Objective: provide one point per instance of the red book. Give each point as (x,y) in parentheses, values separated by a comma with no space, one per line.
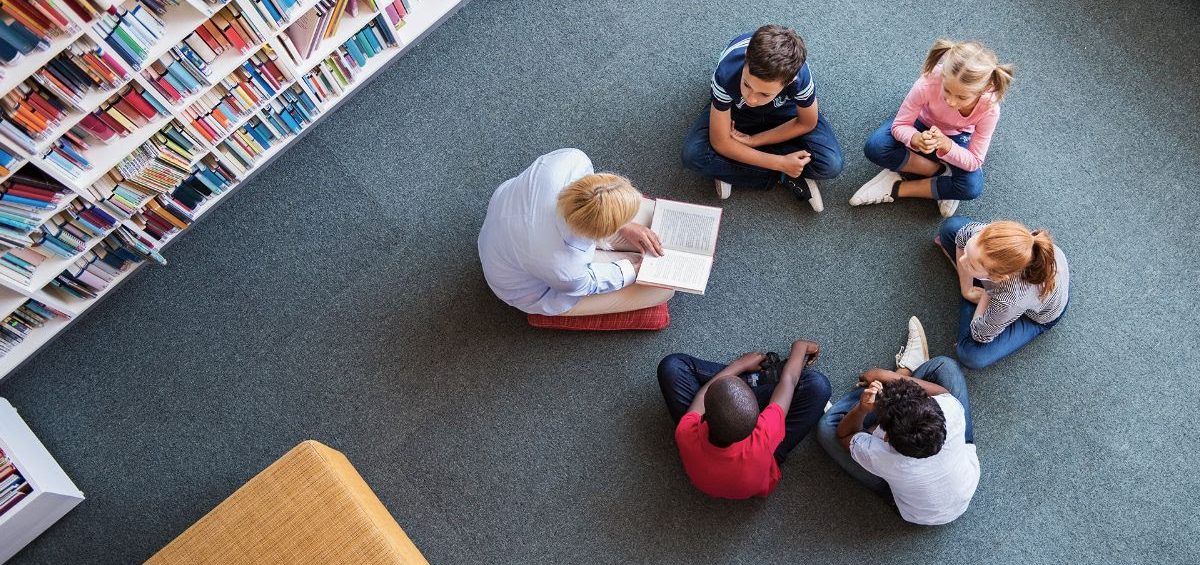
(209,40)
(205,130)
(44,106)
(13,501)
(135,99)
(26,194)
(125,108)
(93,124)
(234,38)
(170,90)
(112,123)
(42,193)
(112,64)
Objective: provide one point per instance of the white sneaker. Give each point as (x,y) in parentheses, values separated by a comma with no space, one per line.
(818,205)
(916,351)
(947,207)
(724,189)
(877,190)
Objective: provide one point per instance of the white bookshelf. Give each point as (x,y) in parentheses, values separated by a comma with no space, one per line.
(52,496)
(181,20)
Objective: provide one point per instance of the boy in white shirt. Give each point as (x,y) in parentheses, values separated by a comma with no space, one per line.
(908,434)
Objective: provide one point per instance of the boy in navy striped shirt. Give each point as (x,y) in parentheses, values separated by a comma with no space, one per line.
(763,125)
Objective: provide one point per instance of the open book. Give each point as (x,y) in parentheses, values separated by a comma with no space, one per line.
(689,238)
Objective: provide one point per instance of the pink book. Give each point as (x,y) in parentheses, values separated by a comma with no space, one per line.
(98,128)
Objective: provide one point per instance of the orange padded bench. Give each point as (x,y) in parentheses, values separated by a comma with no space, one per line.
(310,506)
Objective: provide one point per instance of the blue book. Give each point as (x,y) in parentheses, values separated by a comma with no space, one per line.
(6,158)
(369,35)
(75,156)
(8,52)
(20,37)
(265,131)
(257,136)
(27,201)
(290,121)
(355,52)
(266,86)
(270,7)
(363,44)
(176,69)
(380,25)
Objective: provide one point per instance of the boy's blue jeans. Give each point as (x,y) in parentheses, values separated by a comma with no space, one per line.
(971,353)
(939,370)
(821,144)
(680,377)
(885,151)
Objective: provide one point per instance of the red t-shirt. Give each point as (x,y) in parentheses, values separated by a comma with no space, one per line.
(742,470)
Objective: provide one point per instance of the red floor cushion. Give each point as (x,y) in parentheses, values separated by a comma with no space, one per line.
(652,318)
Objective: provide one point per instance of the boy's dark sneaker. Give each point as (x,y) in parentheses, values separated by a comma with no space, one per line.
(805,190)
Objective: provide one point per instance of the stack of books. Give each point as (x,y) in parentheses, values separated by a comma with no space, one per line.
(291,111)
(276,12)
(209,179)
(249,86)
(155,166)
(396,11)
(177,74)
(20,263)
(13,486)
(133,33)
(29,25)
(31,112)
(81,69)
(334,73)
(303,36)
(124,112)
(89,275)
(25,202)
(126,194)
(71,232)
(13,330)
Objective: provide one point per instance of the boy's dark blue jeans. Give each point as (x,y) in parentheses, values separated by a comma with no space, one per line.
(680,377)
(821,144)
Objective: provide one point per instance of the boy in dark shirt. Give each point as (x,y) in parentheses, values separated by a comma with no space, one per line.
(763,125)
(729,448)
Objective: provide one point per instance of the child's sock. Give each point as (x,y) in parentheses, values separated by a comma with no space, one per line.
(896,190)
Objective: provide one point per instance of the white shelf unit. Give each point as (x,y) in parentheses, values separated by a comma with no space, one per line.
(181,20)
(52,496)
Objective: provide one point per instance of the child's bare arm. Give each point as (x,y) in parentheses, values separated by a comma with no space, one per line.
(720,135)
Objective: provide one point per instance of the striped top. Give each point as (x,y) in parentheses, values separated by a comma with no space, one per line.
(1013,298)
(727,87)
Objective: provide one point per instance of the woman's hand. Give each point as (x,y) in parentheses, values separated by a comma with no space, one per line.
(643,238)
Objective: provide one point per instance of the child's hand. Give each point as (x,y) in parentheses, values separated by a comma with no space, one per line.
(750,361)
(806,347)
(793,164)
(974,294)
(922,142)
(740,137)
(867,399)
(941,142)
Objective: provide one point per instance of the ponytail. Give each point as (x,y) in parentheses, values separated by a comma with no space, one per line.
(1041,269)
(940,47)
(1002,77)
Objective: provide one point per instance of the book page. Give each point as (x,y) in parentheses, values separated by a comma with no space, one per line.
(683,271)
(687,227)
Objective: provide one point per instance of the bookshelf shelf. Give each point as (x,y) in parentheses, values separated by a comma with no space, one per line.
(52,492)
(10,300)
(180,21)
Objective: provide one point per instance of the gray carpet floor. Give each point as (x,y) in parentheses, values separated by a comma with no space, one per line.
(338,297)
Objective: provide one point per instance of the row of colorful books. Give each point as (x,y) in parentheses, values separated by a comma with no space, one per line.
(248,87)
(31,113)
(283,117)
(303,36)
(133,33)
(184,70)
(13,486)
(72,231)
(26,201)
(29,25)
(339,70)
(148,170)
(128,110)
(89,275)
(277,12)
(82,68)
(166,214)
(396,11)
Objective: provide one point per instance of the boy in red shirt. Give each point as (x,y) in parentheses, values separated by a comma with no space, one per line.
(729,448)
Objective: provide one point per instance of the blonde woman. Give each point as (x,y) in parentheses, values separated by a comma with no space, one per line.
(538,241)
(1014,283)
(936,145)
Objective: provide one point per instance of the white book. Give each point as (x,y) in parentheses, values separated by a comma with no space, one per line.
(688,233)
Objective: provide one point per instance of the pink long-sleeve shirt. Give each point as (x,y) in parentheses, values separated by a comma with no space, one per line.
(924,102)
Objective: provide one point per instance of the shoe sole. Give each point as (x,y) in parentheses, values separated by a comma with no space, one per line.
(817,203)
